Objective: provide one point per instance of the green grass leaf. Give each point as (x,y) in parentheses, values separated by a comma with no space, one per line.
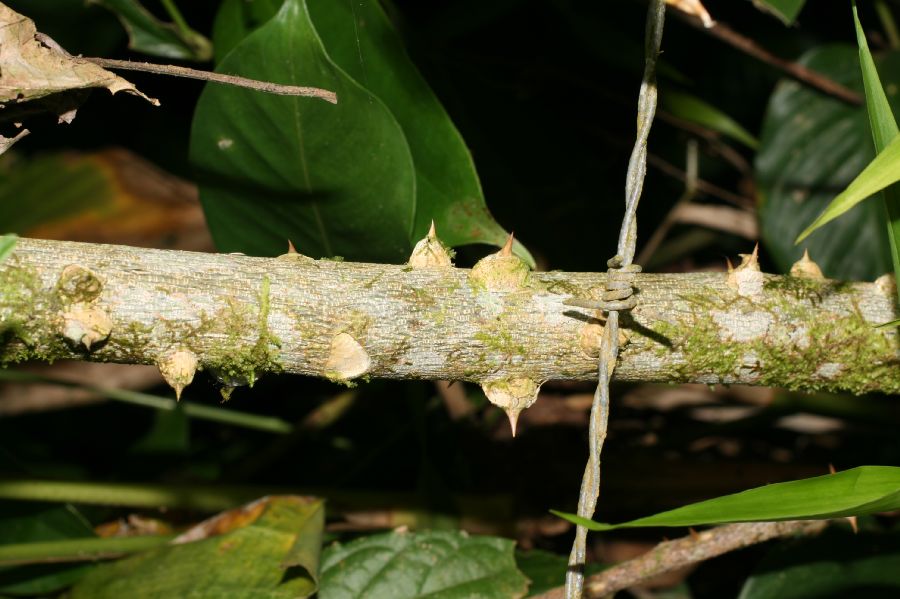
(856,492)
(692,109)
(786,10)
(811,148)
(378,167)
(883,171)
(406,565)
(884,132)
(149,35)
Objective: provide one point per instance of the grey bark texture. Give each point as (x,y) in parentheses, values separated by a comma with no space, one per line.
(241,317)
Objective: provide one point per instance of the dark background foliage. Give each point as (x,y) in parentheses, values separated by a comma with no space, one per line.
(544,94)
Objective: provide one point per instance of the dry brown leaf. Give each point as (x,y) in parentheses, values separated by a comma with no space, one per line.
(32,70)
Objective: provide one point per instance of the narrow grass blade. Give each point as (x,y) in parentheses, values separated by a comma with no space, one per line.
(856,492)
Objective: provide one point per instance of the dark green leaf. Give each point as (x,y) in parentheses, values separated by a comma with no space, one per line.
(271,557)
(31,523)
(149,35)
(422,163)
(438,565)
(856,492)
(236,19)
(837,563)
(811,148)
(334,179)
(786,10)
(692,109)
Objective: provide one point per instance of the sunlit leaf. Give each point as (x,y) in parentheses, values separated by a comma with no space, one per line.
(149,35)
(406,565)
(693,109)
(856,492)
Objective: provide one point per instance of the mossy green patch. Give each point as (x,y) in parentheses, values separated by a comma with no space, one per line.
(26,317)
(233,361)
(811,349)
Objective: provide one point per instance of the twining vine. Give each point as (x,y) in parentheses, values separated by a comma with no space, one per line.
(618,296)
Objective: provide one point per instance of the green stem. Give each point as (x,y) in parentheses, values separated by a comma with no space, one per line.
(888,23)
(194,410)
(176,16)
(204,498)
(78,550)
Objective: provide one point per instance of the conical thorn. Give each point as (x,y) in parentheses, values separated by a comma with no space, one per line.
(432,232)
(291,248)
(730,265)
(513,415)
(507,247)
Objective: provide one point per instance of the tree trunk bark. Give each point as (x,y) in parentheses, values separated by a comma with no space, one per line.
(241,317)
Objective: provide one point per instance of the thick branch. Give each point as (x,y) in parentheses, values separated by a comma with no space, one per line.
(242,316)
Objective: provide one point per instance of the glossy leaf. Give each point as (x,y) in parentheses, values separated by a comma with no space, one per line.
(334,179)
(786,10)
(405,565)
(271,550)
(360,41)
(692,109)
(856,492)
(837,563)
(149,35)
(811,147)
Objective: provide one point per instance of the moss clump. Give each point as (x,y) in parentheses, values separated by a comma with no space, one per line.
(795,355)
(77,284)
(25,317)
(233,361)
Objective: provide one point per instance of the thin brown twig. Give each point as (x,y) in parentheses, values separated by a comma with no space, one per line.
(703,186)
(792,69)
(177,71)
(690,190)
(690,549)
